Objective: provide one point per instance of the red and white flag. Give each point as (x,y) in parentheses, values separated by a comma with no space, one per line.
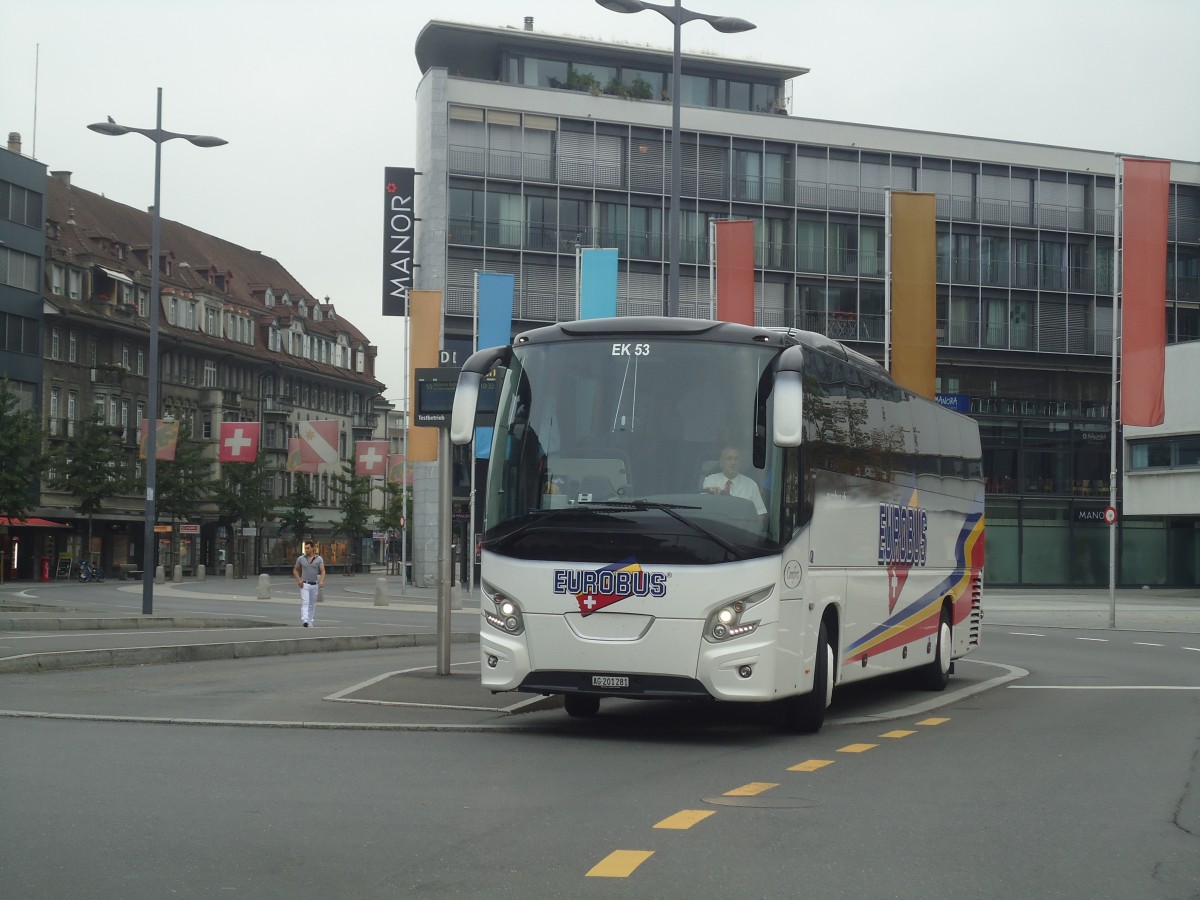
(396,471)
(239,442)
(319,443)
(370,458)
(295,458)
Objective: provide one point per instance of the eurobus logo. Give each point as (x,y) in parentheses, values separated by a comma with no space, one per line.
(595,589)
(903,541)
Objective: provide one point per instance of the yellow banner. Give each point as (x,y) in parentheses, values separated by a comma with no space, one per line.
(425,340)
(914,292)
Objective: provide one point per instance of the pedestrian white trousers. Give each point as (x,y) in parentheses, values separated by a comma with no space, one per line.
(308,603)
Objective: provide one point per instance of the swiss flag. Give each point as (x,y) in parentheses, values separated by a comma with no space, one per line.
(239,442)
(370,458)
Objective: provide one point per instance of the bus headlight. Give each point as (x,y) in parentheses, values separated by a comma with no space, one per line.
(507,615)
(729,621)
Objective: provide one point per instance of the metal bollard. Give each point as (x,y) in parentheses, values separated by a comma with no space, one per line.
(177,574)
(264,586)
(228,570)
(200,572)
(160,575)
(381,593)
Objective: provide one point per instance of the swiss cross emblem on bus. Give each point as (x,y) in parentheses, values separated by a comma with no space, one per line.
(595,589)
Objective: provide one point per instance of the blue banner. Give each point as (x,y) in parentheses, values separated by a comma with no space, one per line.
(598,284)
(495,308)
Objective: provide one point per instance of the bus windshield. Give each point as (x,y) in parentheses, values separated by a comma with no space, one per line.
(654,447)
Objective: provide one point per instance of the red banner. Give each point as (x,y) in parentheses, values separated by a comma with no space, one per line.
(1145,192)
(735,272)
(370,458)
(239,442)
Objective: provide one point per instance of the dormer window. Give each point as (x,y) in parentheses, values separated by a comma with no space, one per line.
(269,297)
(317,316)
(302,308)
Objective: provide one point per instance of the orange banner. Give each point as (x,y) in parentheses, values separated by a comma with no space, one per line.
(914,292)
(425,342)
(1145,192)
(735,271)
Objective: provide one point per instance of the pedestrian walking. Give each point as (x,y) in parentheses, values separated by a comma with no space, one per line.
(310,578)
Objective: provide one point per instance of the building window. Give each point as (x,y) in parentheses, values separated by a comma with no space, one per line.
(55,404)
(55,344)
(72,347)
(74,284)
(1180,452)
(57,279)
(210,373)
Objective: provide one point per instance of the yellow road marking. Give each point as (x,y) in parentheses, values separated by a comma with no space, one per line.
(684,819)
(752,789)
(898,733)
(619,864)
(933,721)
(857,748)
(810,765)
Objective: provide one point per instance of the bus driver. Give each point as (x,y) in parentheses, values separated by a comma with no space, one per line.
(730,481)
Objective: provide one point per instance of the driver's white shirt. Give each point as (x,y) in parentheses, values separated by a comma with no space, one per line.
(739,486)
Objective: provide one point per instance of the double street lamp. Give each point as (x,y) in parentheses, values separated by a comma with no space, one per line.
(677,16)
(159,136)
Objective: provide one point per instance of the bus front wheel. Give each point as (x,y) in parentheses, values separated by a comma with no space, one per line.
(805,714)
(581,706)
(935,675)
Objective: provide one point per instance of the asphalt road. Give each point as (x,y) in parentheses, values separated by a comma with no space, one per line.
(1063,761)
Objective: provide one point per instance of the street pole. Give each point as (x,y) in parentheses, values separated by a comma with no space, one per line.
(677,16)
(159,137)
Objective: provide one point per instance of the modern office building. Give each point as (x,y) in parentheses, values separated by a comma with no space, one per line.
(22,245)
(531,145)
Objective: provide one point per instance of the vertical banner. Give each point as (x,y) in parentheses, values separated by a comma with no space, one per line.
(399,225)
(914,292)
(495,308)
(424,330)
(295,458)
(395,471)
(597,283)
(238,442)
(319,445)
(735,271)
(166,437)
(1146,185)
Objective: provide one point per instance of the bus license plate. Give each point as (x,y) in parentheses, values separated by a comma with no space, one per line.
(610,681)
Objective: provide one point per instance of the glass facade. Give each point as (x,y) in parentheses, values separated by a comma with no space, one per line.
(1025,277)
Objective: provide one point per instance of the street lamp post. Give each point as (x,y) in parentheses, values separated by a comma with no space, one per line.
(159,137)
(677,16)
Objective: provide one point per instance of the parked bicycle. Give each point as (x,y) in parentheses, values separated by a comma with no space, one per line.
(88,572)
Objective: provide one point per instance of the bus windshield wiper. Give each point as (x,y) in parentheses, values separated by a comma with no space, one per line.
(670,510)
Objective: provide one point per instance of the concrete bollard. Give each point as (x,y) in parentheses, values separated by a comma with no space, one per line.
(228,570)
(381,594)
(160,575)
(177,574)
(200,572)
(264,586)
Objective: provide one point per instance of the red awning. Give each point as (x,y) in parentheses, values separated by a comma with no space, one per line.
(31,523)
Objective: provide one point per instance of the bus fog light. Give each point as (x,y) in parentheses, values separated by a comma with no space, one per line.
(745,671)
(493,661)
(719,631)
(511,623)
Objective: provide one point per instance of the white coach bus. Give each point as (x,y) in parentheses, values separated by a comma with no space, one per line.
(680,508)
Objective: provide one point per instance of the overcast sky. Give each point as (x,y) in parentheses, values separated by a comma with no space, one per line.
(316,99)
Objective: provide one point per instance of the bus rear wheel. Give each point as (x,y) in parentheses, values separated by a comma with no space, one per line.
(935,675)
(581,706)
(805,714)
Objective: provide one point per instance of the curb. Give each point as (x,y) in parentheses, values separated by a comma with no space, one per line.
(127,623)
(54,661)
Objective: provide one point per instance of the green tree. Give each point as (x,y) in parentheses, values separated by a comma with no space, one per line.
(355,492)
(243,494)
(393,518)
(92,467)
(21,450)
(183,482)
(295,517)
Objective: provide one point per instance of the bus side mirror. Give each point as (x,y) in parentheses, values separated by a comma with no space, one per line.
(462,415)
(787,409)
